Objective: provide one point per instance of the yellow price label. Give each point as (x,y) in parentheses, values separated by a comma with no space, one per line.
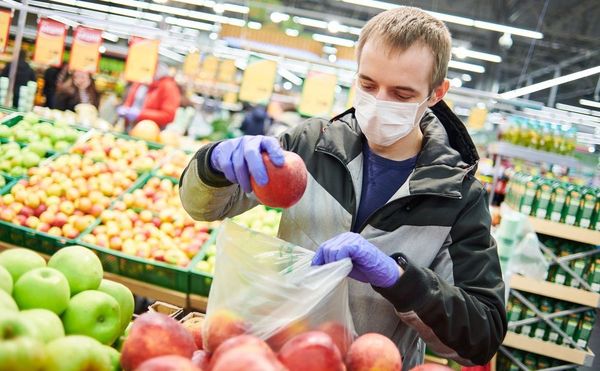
(258,80)
(50,42)
(318,94)
(142,59)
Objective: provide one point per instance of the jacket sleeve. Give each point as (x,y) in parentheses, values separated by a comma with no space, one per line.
(170,100)
(464,320)
(131,95)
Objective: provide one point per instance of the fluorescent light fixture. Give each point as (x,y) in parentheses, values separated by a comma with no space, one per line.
(461,52)
(254,25)
(466,66)
(219,8)
(277,17)
(507,29)
(206,3)
(591,103)
(110,37)
(455,19)
(170,54)
(187,23)
(333,40)
(568,107)
(64,21)
(354,30)
(310,22)
(550,83)
(333,26)
(289,76)
(291,32)
(236,8)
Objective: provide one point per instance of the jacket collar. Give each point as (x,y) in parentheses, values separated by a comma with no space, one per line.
(447,156)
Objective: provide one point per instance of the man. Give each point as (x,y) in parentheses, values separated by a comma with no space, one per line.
(24,74)
(392,187)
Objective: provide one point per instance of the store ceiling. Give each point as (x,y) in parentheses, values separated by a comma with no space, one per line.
(571,33)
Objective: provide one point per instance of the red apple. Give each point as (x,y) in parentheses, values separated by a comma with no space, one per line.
(313,350)
(247,359)
(286,184)
(26,211)
(39,210)
(431,367)
(168,363)
(155,334)
(201,359)
(278,339)
(194,326)
(43,227)
(373,351)
(221,326)
(339,334)
(242,343)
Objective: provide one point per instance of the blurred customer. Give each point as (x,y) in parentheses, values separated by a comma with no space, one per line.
(157,101)
(77,88)
(24,74)
(256,121)
(52,77)
(285,116)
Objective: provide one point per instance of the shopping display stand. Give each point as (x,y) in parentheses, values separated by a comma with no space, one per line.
(570,351)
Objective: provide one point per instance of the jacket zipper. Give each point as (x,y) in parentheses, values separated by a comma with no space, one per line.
(351,182)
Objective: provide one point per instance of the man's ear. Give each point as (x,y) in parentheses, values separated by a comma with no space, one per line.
(439,93)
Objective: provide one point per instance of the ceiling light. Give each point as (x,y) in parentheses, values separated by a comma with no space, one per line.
(64,21)
(288,85)
(310,22)
(466,77)
(110,37)
(219,8)
(213,36)
(289,76)
(332,58)
(466,66)
(236,8)
(333,26)
(291,32)
(456,82)
(455,19)
(591,103)
(462,53)
(254,25)
(333,40)
(550,83)
(170,54)
(277,17)
(187,23)
(102,49)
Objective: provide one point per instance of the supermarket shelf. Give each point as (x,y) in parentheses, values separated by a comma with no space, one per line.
(555,290)
(565,231)
(137,287)
(198,302)
(533,345)
(511,150)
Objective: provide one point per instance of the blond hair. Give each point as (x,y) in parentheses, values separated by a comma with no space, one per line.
(402,27)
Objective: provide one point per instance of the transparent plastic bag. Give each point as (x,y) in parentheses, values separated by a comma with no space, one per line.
(269,284)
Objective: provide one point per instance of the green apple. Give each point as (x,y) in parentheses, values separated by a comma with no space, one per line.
(123,296)
(17,171)
(2,181)
(13,325)
(31,118)
(6,281)
(5,131)
(95,314)
(76,353)
(7,303)
(115,357)
(44,288)
(80,265)
(39,148)
(22,354)
(47,323)
(30,159)
(61,146)
(44,129)
(18,261)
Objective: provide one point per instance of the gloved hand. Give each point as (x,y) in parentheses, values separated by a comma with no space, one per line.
(241,157)
(122,111)
(370,264)
(132,114)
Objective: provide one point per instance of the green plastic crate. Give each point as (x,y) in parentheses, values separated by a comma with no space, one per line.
(26,237)
(200,282)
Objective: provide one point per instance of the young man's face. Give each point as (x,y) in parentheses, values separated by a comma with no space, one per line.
(398,76)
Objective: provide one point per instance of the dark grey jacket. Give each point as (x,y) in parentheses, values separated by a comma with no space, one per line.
(452,295)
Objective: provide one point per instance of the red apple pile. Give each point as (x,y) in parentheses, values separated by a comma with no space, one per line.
(157,342)
(151,223)
(64,197)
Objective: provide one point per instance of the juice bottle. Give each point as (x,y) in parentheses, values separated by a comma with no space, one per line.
(527,203)
(573,204)
(588,205)
(553,336)
(596,218)
(544,193)
(559,197)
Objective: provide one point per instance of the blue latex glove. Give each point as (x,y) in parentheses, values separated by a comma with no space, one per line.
(370,264)
(132,114)
(122,111)
(241,157)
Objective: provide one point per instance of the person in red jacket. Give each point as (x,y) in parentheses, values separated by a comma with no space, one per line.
(157,101)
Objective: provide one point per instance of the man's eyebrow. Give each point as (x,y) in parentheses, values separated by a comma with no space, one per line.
(404,88)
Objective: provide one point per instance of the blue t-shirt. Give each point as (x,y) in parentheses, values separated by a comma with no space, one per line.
(381,179)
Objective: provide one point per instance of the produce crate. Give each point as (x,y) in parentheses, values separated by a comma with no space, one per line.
(18,235)
(150,271)
(200,282)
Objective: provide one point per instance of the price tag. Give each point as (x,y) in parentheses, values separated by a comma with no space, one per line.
(85,55)
(141,60)
(50,42)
